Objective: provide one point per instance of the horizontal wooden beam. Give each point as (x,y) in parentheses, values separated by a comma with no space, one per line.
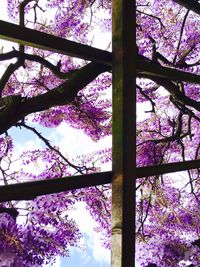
(167,168)
(30,37)
(30,190)
(190,4)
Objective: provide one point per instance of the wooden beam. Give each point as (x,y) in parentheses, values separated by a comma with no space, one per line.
(124,134)
(167,168)
(30,37)
(30,190)
(190,4)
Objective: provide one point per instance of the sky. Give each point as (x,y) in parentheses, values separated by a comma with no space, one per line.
(72,142)
(94,254)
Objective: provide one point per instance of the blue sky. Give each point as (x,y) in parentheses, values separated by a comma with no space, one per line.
(84,259)
(92,254)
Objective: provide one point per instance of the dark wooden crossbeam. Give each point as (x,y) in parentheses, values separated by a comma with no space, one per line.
(193,5)
(30,190)
(30,37)
(25,36)
(167,168)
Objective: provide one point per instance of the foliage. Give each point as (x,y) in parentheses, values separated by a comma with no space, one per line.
(45,89)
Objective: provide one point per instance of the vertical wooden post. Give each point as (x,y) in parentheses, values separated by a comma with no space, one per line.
(124,133)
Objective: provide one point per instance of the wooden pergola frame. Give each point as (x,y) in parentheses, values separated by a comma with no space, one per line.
(124,172)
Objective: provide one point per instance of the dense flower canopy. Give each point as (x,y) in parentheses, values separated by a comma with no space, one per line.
(43,90)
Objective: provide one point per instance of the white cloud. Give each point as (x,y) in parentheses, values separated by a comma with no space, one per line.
(75,142)
(3,8)
(92,239)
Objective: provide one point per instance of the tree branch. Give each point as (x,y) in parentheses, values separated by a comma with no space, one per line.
(79,169)
(175,92)
(191,5)
(181,34)
(23,56)
(61,95)
(146,68)
(8,72)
